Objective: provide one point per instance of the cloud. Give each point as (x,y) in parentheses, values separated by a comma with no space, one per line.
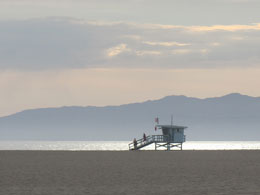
(196,12)
(166,44)
(114,51)
(215,44)
(181,51)
(144,53)
(152,26)
(237,38)
(231,28)
(134,37)
(189,51)
(65,43)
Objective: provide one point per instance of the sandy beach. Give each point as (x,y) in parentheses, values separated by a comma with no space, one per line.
(135,172)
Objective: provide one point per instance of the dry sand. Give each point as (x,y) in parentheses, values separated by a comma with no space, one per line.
(135,172)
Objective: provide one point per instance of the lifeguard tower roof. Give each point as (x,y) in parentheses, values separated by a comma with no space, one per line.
(170,127)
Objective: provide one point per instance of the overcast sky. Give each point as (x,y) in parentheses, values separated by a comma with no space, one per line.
(103,52)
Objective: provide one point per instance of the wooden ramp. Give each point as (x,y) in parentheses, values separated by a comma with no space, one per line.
(158,140)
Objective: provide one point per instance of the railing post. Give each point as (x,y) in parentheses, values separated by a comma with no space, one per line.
(168,146)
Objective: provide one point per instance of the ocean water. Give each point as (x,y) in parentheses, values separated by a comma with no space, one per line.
(122,145)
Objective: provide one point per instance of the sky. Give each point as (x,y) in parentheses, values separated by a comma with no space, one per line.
(109,52)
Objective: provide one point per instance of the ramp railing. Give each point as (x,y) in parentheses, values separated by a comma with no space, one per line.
(140,143)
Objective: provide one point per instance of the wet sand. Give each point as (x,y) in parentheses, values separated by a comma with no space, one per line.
(135,172)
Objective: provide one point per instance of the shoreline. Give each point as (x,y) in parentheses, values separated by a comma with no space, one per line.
(121,146)
(226,150)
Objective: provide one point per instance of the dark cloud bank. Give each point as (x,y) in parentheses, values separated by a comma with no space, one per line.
(57,43)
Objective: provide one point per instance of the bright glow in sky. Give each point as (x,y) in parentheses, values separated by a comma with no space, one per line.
(62,53)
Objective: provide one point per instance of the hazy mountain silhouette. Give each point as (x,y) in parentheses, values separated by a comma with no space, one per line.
(231,117)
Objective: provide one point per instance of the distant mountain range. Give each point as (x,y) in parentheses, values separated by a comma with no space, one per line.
(231,117)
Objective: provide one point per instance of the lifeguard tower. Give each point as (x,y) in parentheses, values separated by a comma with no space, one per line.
(172,136)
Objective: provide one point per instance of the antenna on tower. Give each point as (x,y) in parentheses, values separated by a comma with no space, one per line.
(171,120)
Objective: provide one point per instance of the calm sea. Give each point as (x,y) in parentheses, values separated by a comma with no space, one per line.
(123,145)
